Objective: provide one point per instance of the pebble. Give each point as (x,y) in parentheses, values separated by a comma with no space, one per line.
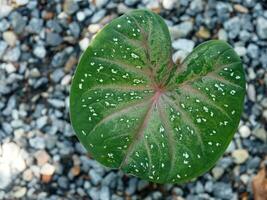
(53,39)
(101,3)
(37,142)
(10,68)
(5,10)
(98,16)
(241,51)
(95,177)
(84,43)
(20,192)
(203,33)
(56,103)
(181,30)
(244,131)
(169,4)
(5,175)
(222,35)
(3,47)
(240,8)
(253,51)
(27,175)
(10,38)
(260,133)
(130,2)
(240,156)
(47,169)
(63,182)
(233,27)
(251,92)
(183,44)
(42,157)
(12,54)
(22,2)
(104,193)
(222,190)
(39,51)
(217,172)
(196,5)
(262,27)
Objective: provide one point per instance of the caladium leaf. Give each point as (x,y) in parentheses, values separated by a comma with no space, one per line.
(134,109)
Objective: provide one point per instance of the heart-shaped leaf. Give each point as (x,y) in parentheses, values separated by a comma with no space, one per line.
(134,109)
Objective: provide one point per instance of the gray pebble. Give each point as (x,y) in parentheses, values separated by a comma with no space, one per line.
(262,27)
(98,16)
(37,142)
(104,193)
(222,190)
(35,25)
(95,177)
(233,27)
(63,182)
(39,51)
(253,50)
(53,39)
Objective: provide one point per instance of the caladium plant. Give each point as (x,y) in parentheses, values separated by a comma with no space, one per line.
(134,109)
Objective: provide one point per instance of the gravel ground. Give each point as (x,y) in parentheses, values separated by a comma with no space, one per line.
(40,43)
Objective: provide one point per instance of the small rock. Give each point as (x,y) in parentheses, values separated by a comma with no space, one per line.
(253,51)
(10,68)
(94,193)
(5,10)
(12,54)
(181,30)
(42,157)
(84,43)
(47,172)
(260,133)
(63,182)
(75,170)
(233,27)
(20,192)
(5,175)
(244,131)
(130,190)
(41,122)
(240,8)
(80,16)
(37,142)
(183,44)
(53,39)
(22,2)
(3,46)
(27,175)
(101,3)
(240,156)
(222,190)
(39,51)
(262,27)
(57,75)
(251,92)
(98,16)
(217,172)
(222,35)
(241,51)
(66,80)
(131,2)
(170,4)
(35,25)
(196,5)
(95,177)
(10,38)
(18,22)
(203,33)
(70,6)
(71,62)
(56,103)
(104,193)
(179,56)
(74,29)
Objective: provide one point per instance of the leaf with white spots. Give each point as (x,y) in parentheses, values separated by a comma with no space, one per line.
(134,109)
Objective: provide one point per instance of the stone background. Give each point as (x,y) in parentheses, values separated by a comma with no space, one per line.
(40,43)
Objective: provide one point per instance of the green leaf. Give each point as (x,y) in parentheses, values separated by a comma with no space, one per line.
(134,109)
